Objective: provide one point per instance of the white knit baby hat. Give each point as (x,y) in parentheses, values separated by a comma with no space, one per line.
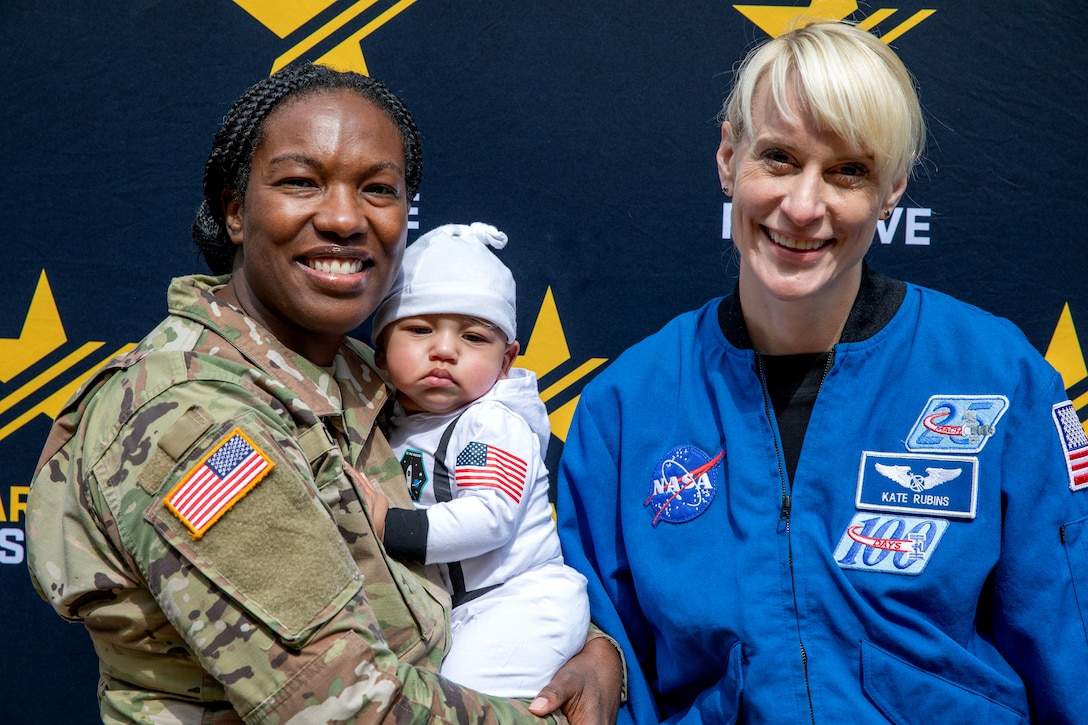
(451,270)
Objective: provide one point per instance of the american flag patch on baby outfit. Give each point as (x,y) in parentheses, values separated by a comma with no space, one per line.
(218,482)
(1074,443)
(479,464)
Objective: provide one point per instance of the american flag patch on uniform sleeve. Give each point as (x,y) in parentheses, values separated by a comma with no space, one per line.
(219,481)
(1074,443)
(479,464)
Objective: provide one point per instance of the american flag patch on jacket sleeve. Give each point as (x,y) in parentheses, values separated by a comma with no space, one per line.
(1074,443)
(219,481)
(479,464)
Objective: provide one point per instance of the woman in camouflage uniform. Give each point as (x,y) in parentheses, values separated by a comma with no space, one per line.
(203,504)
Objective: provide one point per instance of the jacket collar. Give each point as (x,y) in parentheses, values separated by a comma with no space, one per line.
(878,300)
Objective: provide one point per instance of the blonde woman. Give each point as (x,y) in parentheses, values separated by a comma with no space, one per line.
(830,496)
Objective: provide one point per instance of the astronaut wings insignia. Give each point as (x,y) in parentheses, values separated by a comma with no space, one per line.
(888,482)
(904,476)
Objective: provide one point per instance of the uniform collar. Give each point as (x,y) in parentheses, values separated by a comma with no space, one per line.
(353,373)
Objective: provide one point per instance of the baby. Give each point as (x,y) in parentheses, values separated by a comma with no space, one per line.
(471,432)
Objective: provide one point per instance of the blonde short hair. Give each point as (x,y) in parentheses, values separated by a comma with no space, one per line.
(850,83)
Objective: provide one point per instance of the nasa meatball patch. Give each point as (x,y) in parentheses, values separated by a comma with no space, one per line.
(683,485)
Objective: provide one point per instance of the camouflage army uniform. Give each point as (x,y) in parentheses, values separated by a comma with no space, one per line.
(265,614)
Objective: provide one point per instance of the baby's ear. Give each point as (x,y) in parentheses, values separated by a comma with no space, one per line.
(379,359)
(509,356)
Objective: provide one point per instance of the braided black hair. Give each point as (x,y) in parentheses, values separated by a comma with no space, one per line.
(243,130)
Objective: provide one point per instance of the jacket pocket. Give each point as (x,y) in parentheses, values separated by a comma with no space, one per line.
(909,695)
(1075,540)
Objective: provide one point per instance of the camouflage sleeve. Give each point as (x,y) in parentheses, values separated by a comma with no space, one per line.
(596,632)
(249,595)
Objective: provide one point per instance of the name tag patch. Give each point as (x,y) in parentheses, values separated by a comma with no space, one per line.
(957,423)
(910,483)
(889,544)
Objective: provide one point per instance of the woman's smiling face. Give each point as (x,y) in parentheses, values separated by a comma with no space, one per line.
(805,204)
(323,223)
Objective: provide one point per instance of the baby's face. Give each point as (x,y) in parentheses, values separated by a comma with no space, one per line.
(440,363)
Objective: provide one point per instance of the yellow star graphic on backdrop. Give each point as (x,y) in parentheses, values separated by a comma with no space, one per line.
(286,18)
(545,353)
(1067,357)
(775,20)
(42,334)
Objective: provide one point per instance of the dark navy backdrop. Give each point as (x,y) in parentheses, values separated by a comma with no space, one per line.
(585,130)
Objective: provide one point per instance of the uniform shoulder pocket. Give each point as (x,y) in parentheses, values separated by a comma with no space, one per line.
(240,506)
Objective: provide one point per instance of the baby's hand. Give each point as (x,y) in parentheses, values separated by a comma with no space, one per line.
(375,501)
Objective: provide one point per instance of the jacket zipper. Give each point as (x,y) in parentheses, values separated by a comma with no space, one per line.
(787,507)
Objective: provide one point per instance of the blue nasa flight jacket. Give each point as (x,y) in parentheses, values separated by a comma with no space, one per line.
(925,565)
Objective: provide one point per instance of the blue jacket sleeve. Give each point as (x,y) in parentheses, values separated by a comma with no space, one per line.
(1040,584)
(588,514)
